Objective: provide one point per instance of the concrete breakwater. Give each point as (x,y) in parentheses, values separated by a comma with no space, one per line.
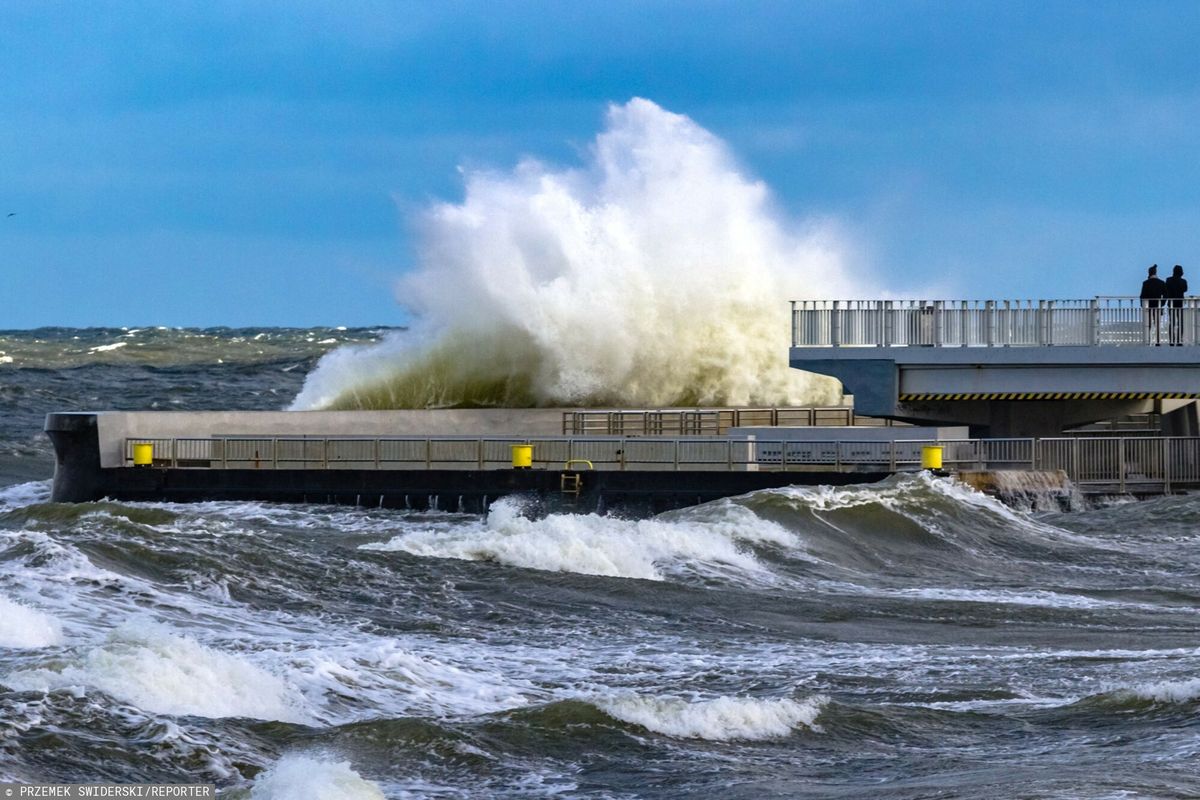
(463,459)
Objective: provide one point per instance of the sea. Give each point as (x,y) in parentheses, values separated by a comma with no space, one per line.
(907,639)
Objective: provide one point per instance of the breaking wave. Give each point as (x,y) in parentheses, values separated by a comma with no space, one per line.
(722,719)
(161,672)
(24,627)
(299,777)
(655,274)
(1181,691)
(590,544)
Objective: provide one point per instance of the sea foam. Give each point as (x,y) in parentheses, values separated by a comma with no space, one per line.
(721,719)
(24,494)
(161,672)
(24,627)
(590,544)
(656,273)
(385,675)
(300,777)
(1184,691)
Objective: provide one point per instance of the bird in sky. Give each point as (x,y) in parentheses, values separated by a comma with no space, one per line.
(12,213)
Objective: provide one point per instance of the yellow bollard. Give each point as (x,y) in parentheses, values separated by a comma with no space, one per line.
(143,454)
(522,456)
(931,457)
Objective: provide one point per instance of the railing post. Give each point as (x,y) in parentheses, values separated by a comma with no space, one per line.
(989,323)
(938,306)
(1041,322)
(1121,464)
(888,333)
(892,457)
(835,325)
(795,326)
(1094,323)
(428,454)
(1194,307)
(1166,464)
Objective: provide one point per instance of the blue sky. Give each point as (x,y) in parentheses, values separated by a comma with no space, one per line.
(230,163)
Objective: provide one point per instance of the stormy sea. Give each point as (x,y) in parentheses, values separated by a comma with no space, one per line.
(908,639)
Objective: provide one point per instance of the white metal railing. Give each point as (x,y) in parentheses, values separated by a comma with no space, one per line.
(1119,463)
(1101,321)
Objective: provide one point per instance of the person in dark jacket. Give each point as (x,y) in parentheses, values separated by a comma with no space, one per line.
(1175,288)
(1153,290)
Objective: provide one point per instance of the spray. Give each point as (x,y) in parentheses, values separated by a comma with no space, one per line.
(655,274)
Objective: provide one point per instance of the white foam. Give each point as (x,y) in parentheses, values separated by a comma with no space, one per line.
(146,665)
(19,495)
(104,348)
(905,495)
(24,627)
(722,719)
(300,777)
(382,674)
(1041,598)
(655,274)
(590,544)
(1169,691)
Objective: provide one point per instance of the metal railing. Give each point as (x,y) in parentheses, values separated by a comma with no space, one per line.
(708,421)
(1110,464)
(1101,321)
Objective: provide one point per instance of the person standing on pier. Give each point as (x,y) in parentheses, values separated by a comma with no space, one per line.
(1175,289)
(1153,290)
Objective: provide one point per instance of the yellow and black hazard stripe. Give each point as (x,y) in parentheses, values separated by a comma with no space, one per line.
(915,398)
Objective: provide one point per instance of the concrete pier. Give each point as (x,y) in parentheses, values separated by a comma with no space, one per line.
(452,460)
(358,458)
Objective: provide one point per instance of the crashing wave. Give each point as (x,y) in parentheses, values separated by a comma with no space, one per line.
(656,274)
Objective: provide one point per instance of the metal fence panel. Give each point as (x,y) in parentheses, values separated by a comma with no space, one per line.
(1143,460)
(601,452)
(1183,459)
(403,453)
(702,454)
(455,453)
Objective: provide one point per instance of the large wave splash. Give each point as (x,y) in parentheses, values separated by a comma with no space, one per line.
(655,274)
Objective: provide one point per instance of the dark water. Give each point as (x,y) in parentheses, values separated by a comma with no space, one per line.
(911,639)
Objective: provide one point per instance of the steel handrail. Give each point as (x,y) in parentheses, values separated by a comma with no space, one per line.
(1095,322)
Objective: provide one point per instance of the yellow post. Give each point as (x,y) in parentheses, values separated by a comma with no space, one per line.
(522,456)
(143,454)
(931,457)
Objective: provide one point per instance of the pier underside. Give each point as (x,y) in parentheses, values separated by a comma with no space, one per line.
(1001,398)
